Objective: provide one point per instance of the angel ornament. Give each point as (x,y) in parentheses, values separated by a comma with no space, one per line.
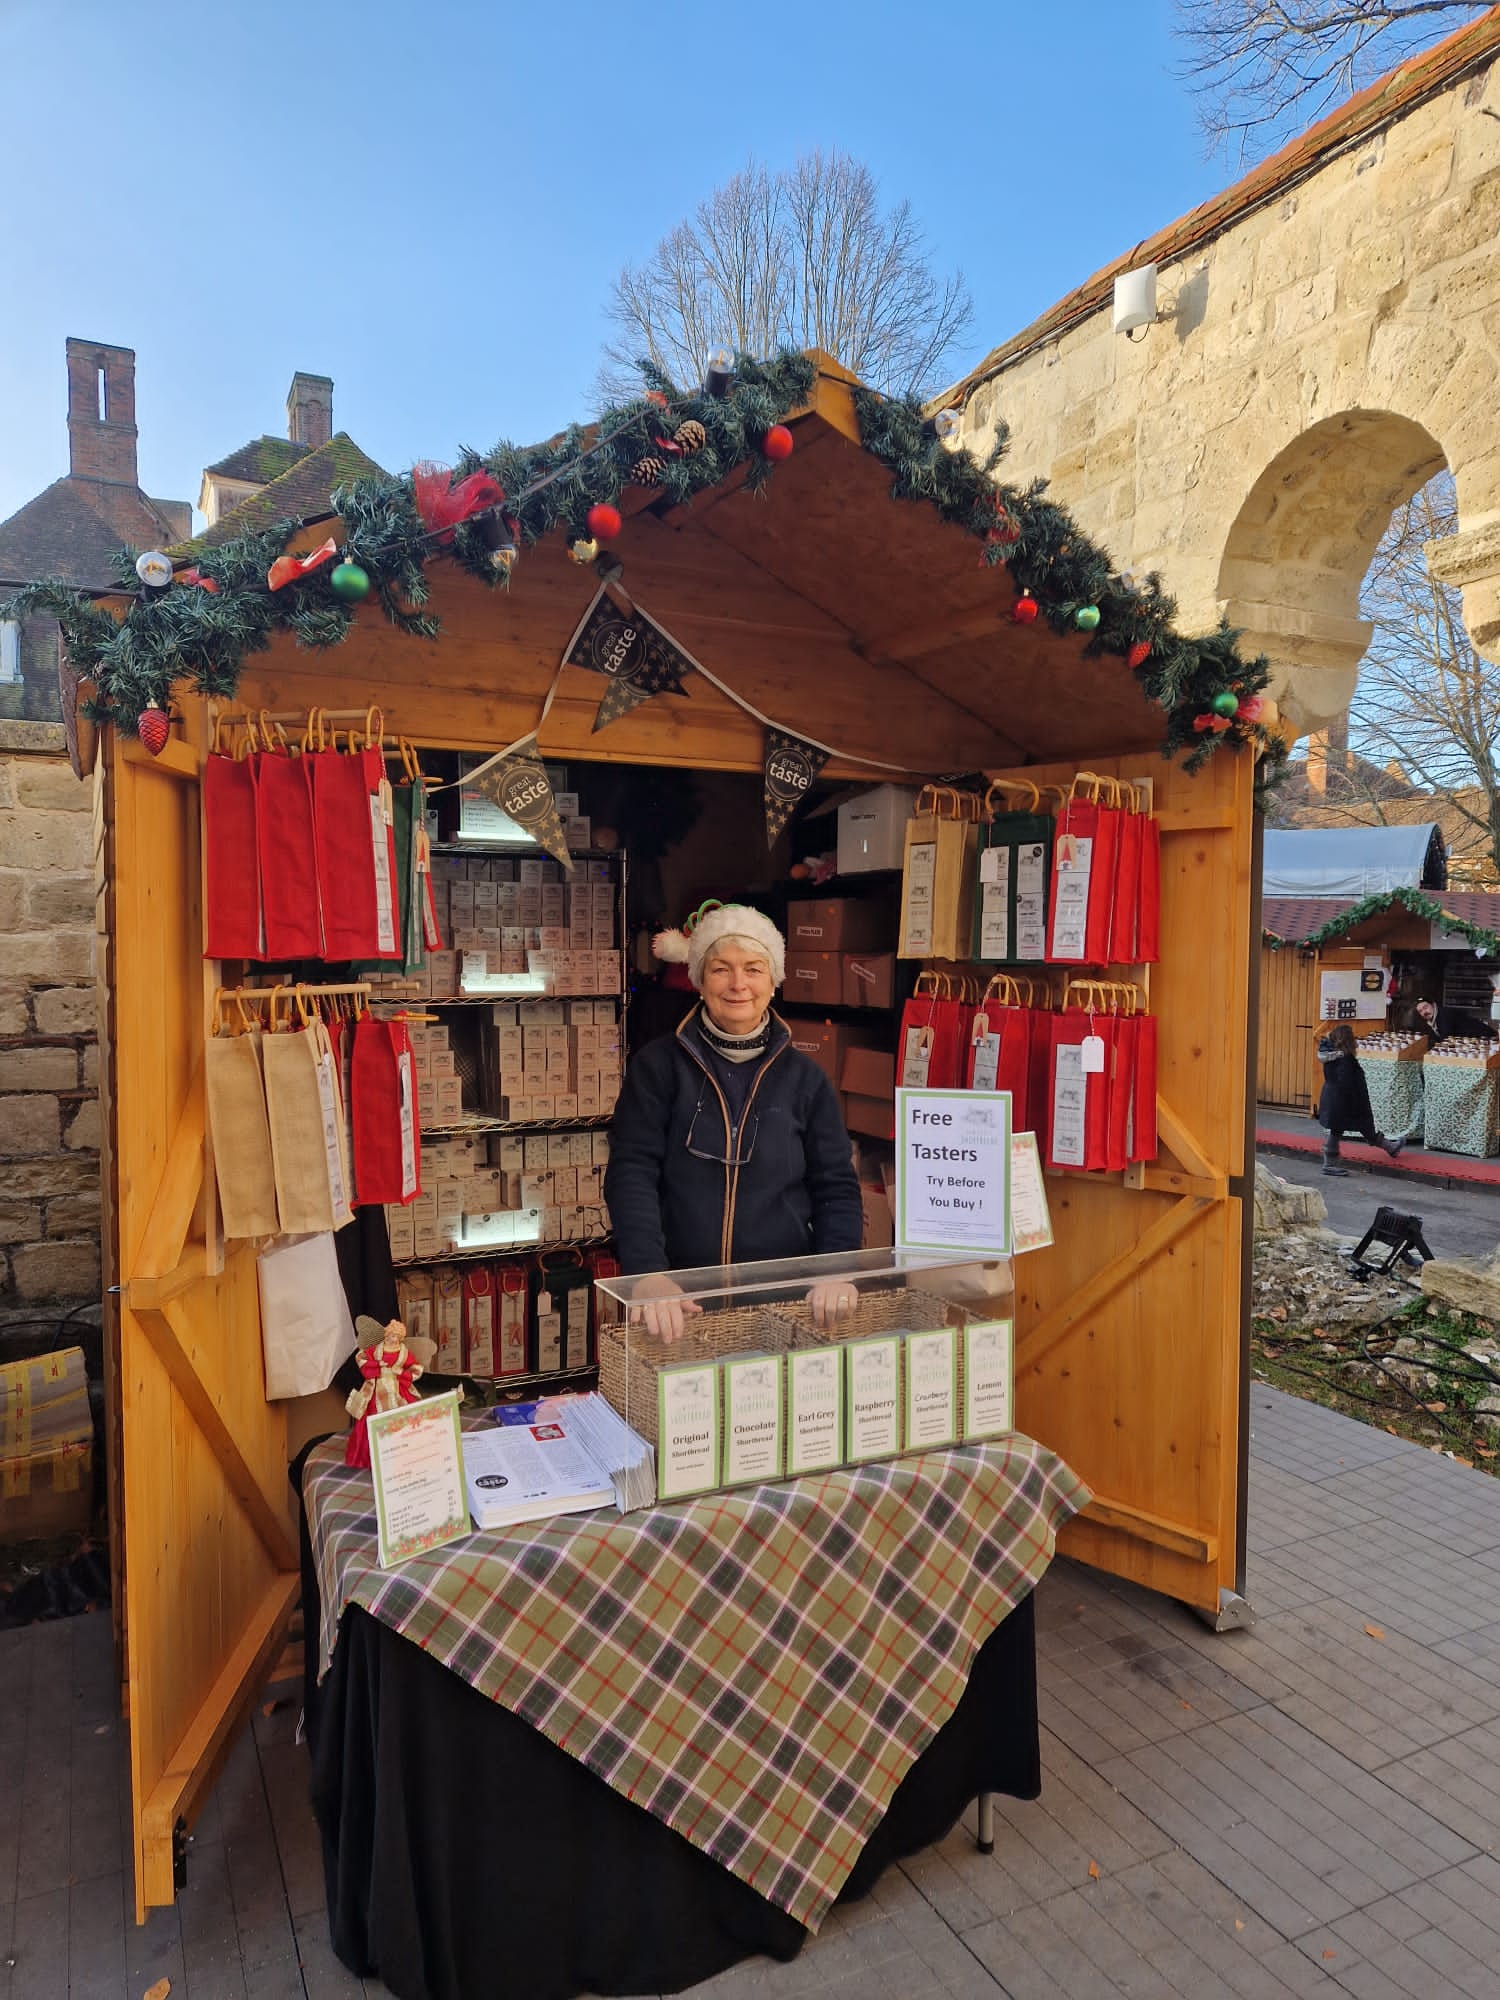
(389,1363)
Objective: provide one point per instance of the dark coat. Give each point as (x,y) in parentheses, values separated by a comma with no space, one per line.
(1345,1103)
(1457,1021)
(793,1194)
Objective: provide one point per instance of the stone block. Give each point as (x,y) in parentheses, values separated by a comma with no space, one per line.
(38,1069)
(1413,174)
(28,1125)
(60,955)
(15,1015)
(57,1173)
(1111,453)
(45,840)
(83,1128)
(66,1010)
(89,1076)
(12,898)
(73,1215)
(1376,267)
(1471,1285)
(1304,305)
(56,1270)
(20,1221)
(61,900)
(50,787)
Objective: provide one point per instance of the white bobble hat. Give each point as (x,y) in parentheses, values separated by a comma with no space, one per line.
(692,945)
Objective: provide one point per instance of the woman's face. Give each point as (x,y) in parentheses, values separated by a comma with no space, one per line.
(737,988)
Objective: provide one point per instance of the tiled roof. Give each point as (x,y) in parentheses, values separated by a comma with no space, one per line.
(260,461)
(300,491)
(65,532)
(1291,919)
(1366,112)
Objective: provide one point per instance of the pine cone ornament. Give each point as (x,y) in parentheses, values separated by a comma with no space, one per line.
(690,437)
(153,728)
(647,471)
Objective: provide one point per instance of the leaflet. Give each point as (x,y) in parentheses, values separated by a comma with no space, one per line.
(687,1434)
(752,1420)
(989,1378)
(873,1397)
(931,1389)
(530,1472)
(815,1411)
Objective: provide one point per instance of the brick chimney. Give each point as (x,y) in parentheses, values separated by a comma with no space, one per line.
(101,412)
(309,409)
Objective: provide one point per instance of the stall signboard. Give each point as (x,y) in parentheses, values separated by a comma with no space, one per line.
(953,1171)
(417,1465)
(1351,993)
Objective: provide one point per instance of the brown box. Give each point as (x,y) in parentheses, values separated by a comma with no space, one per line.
(842,923)
(874,1116)
(817,976)
(824,1042)
(870,979)
(880,1226)
(868,1073)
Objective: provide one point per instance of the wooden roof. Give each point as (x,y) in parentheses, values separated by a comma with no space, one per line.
(862,621)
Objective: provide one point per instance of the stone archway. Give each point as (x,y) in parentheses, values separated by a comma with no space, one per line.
(1299,548)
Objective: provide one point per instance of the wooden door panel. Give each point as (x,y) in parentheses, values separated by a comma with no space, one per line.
(207,1549)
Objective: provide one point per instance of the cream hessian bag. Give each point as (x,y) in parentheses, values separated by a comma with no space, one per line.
(241,1134)
(307,1143)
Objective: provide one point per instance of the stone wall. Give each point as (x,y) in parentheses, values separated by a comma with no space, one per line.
(1322,350)
(49,1055)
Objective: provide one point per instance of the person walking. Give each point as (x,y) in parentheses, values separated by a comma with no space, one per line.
(1344,1105)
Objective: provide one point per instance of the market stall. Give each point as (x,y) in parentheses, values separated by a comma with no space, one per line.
(813,615)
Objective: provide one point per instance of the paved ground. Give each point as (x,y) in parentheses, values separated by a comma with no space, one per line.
(1293,1132)
(1460,1221)
(1309,1808)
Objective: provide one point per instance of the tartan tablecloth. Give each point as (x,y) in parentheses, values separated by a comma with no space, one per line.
(758,1669)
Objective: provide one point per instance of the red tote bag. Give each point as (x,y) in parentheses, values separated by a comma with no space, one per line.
(931,1053)
(1136,925)
(1085,859)
(356,850)
(1079,1093)
(999,1044)
(387,1138)
(231,859)
(287,849)
(1141,1138)
(1039,1066)
(1148,924)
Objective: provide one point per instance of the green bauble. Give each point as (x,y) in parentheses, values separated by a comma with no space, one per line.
(1225,702)
(350,582)
(1086,617)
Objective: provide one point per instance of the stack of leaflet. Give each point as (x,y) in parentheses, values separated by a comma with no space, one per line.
(566,1455)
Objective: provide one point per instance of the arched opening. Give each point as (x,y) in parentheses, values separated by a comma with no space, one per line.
(1301,547)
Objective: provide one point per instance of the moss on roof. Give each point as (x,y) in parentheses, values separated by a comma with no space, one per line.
(299,492)
(262,460)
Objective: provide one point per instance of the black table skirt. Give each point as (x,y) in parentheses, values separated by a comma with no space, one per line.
(467,1856)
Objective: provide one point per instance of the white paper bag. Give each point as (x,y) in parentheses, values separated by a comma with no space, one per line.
(304,1316)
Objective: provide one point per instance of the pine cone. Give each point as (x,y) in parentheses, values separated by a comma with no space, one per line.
(647,471)
(690,437)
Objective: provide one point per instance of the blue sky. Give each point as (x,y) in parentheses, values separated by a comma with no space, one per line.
(427,202)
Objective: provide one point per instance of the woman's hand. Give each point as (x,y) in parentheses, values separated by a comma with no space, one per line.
(661,1308)
(832,1299)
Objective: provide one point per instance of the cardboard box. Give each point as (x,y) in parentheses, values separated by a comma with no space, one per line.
(874,1116)
(841,923)
(870,979)
(872,829)
(880,1225)
(816,976)
(868,1073)
(822,1042)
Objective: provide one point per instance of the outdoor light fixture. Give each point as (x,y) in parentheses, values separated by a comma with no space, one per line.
(154,569)
(718,377)
(1135,299)
(946,426)
(495,533)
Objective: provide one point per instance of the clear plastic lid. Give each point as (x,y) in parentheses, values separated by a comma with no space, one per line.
(964,1280)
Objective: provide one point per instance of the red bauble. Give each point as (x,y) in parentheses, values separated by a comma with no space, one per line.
(153,728)
(1024,610)
(1249,709)
(604,522)
(777,443)
(1138,655)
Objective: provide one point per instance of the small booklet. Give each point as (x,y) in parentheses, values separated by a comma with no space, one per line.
(573,1455)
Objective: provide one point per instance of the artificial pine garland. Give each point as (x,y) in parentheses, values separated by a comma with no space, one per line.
(202,627)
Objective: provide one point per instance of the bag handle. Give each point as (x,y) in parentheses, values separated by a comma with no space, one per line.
(922,991)
(1002,988)
(1005,786)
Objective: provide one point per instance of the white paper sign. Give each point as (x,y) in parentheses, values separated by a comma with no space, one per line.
(1031,900)
(989,1378)
(953,1170)
(986,1061)
(752,1420)
(994,903)
(921,876)
(1068,1089)
(1030,1216)
(931,1389)
(687,1435)
(1072,865)
(416,1463)
(815,1410)
(872,1397)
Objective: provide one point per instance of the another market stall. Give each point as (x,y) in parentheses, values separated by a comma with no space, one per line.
(835,597)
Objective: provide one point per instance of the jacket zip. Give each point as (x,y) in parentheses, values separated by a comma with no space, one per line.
(731,1174)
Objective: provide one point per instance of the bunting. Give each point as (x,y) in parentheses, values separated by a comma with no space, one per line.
(791,768)
(519,785)
(632,652)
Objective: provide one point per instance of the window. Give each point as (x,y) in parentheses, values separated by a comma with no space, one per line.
(10,653)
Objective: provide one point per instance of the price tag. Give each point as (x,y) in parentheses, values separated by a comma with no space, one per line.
(1091,1054)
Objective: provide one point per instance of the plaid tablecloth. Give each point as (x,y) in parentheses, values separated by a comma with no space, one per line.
(758,1669)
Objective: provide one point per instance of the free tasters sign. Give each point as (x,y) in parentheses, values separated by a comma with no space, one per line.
(953,1171)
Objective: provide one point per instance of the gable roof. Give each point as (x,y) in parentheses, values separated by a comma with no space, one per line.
(1352,861)
(65,532)
(260,461)
(1303,919)
(1399,91)
(300,491)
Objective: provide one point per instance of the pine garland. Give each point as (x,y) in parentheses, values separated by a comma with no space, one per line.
(1413,900)
(201,636)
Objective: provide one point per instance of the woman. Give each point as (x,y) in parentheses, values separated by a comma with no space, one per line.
(728,1145)
(1345,1103)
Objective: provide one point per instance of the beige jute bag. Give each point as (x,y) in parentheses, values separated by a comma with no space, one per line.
(306,1149)
(937,877)
(241,1134)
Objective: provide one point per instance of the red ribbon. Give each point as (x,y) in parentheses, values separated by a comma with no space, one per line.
(286,569)
(442,505)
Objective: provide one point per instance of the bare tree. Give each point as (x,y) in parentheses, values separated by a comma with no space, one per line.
(1265,69)
(1424,726)
(802,258)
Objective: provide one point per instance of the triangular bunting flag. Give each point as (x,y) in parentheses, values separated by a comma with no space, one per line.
(632,652)
(519,785)
(791,769)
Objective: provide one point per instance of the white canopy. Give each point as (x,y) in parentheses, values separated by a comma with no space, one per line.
(1354,861)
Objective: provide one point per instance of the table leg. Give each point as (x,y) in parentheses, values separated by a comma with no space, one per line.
(984,1838)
